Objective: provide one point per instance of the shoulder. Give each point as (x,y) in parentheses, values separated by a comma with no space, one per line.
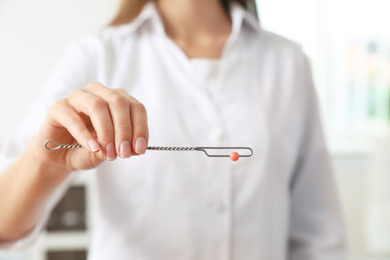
(104,36)
(283,52)
(279,42)
(106,39)
(281,46)
(86,45)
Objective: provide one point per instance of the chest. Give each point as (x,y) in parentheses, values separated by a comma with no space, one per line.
(250,102)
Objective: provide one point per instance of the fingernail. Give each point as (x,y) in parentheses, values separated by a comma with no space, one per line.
(93,145)
(125,149)
(140,145)
(110,152)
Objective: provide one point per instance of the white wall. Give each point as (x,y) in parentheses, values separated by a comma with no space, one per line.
(33,35)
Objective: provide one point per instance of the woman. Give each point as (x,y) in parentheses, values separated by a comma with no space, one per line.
(207,75)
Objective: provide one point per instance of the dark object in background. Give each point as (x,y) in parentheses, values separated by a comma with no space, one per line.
(69,214)
(67,255)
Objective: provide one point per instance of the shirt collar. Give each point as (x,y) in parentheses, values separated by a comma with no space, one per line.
(240,18)
(148,13)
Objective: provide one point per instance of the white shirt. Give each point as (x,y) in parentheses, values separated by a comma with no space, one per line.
(279,204)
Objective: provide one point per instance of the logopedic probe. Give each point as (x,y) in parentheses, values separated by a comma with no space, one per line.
(234,156)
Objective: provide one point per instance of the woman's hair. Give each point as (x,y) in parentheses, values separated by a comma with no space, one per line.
(129,9)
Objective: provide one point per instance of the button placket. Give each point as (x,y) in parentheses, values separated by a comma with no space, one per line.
(217,214)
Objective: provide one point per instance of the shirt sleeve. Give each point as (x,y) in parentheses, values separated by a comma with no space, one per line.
(76,69)
(316,226)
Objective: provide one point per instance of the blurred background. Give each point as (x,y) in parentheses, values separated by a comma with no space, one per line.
(348,44)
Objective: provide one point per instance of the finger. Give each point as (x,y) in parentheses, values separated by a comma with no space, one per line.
(65,116)
(97,109)
(119,110)
(139,121)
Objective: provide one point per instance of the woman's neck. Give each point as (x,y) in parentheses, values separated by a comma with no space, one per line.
(199,27)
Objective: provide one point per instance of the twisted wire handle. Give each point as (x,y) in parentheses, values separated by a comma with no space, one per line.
(165,148)
(61,146)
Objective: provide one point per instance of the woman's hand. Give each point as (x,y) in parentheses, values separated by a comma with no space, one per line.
(107,122)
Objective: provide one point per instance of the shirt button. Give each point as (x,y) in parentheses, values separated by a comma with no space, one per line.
(219,206)
(216,134)
(216,206)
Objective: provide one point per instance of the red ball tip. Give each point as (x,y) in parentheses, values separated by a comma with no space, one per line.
(234,156)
